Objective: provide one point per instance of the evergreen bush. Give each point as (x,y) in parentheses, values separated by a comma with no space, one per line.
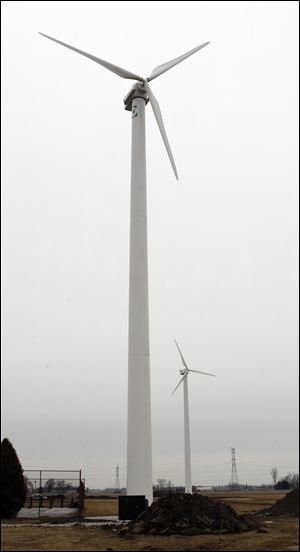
(13,486)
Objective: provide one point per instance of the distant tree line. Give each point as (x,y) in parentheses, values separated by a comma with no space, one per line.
(289,482)
(59,485)
(50,486)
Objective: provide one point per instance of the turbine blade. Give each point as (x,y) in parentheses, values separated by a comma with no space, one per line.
(184,363)
(186,373)
(169,64)
(161,126)
(205,373)
(114,68)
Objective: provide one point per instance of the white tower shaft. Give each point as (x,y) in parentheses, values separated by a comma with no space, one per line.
(139,455)
(139,447)
(187,441)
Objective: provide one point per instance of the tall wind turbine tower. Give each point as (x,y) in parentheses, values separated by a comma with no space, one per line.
(187,441)
(139,448)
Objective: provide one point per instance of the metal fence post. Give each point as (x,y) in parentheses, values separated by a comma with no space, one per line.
(81,498)
(40,493)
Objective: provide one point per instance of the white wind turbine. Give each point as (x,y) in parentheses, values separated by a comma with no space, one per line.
(187,442)
(139,454)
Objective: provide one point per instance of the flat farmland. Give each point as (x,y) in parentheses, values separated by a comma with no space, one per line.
(281,533)
(242,502)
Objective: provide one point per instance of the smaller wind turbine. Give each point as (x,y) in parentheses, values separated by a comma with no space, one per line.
(187,442)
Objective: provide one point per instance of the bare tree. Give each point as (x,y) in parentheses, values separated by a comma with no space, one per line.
(60,484)
(274,475)
(162,483)
(293,479)
(50,485)
(29,484)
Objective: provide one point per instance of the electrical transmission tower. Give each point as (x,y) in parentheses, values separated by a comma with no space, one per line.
(234,482)
(117,480)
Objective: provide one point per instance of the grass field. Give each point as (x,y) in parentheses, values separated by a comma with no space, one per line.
(100,507)
(281,535)
(242,502)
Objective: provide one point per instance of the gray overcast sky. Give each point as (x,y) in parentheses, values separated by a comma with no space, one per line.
(223,246)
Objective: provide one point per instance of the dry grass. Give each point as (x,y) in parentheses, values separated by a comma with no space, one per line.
(101,507)
(248,502)
(281,536)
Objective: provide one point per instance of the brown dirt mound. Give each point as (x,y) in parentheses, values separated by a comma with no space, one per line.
(186,514)
(286,506)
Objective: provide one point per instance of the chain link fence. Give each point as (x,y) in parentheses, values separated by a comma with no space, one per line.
(53,493)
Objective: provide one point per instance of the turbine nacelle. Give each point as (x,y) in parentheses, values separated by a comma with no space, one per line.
(184,372)
(138,90)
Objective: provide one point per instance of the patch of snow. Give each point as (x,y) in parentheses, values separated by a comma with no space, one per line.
(46,512)
(65,524)
(62,524)
(101,518)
